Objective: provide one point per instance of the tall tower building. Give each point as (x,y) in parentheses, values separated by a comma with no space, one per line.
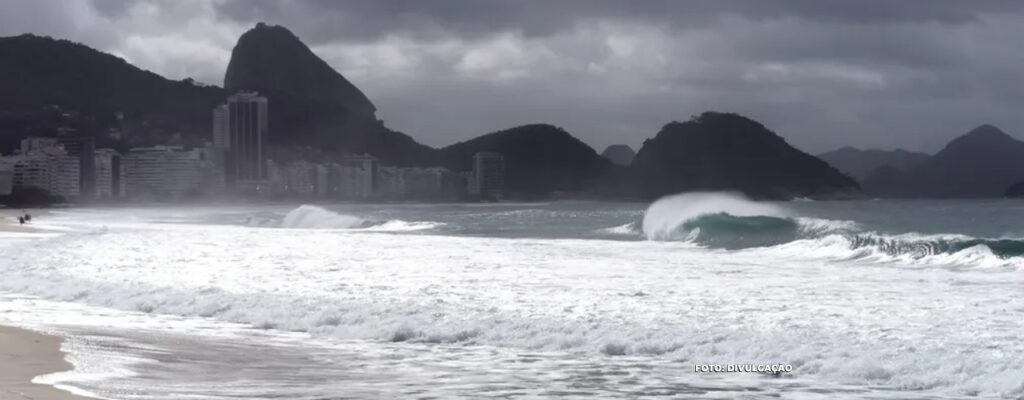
(84,148)
(488,181)
(220,127)
(247,138)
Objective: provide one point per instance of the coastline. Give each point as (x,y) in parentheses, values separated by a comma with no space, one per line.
(25,355)
(9,221)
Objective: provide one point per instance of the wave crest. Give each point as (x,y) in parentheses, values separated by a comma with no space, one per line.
(312,217)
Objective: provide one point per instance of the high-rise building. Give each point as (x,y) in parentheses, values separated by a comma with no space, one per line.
(108,174)
(355,177)
(6,177)
(247,138)
(67,176)
(211,167)
(221,138)
(43,163)
(488,181)
(299,178)
(84,148)
(161,172)
(38,145)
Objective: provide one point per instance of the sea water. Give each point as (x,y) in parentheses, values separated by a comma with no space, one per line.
(859,299)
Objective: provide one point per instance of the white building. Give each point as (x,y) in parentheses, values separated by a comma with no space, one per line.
(6,177)
(298,178)
(109,182)
(416,183)
(212,179)
(488,180)
(66,176)
(161,172)
(354,177)
(43,163)
(34,170)
(391,182)
(41,145)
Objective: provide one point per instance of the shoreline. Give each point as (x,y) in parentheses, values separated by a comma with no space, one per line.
(9,221)
(24,355)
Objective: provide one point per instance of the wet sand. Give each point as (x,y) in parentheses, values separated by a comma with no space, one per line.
(25,355)
(9,221)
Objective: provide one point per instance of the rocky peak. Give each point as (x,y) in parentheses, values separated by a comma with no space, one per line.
(271,59)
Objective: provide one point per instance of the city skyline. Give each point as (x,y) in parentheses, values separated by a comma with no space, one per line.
(822,76)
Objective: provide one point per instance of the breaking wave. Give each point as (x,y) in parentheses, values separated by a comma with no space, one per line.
(627,229)
(667,218)
(729,221)
(912,249)
(732,222)
(312,217)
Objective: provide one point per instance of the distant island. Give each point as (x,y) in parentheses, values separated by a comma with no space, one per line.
(314,134)
(619,154)
(982,163)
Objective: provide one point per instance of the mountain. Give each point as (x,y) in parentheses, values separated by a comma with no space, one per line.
(981,163)
(1015,190)
(539,159)
(311,104)
(41,74)
(859,163)
(619,154)
(721,151)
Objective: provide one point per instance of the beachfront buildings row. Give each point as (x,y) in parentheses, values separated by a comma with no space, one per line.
(87,173)
(173,172)
(235,162)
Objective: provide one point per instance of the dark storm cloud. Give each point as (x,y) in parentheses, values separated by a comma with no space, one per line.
(822,73)
(362,19)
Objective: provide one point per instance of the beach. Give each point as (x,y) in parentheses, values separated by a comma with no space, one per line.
(25,355)
(570,300)
(9,220)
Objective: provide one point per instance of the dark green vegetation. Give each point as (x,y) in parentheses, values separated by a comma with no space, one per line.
(30,196)
(539,159)
(42,79)
(721,151)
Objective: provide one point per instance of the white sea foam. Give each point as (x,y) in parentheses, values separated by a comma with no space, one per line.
(627,229)
(820,227)
(938,332)
(312,217)
(914,250)
(397,225)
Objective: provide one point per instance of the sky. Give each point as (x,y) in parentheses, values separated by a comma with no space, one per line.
(823,74)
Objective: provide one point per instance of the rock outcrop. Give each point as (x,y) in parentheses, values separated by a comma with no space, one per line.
(727,152)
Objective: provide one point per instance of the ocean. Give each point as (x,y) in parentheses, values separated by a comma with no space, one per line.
(855,299)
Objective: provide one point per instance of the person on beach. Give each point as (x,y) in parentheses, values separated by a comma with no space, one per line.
(21,220)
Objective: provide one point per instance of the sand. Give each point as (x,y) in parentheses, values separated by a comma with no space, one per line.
(25,355)
(9,220)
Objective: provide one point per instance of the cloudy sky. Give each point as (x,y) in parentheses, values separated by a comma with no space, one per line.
(821,73)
